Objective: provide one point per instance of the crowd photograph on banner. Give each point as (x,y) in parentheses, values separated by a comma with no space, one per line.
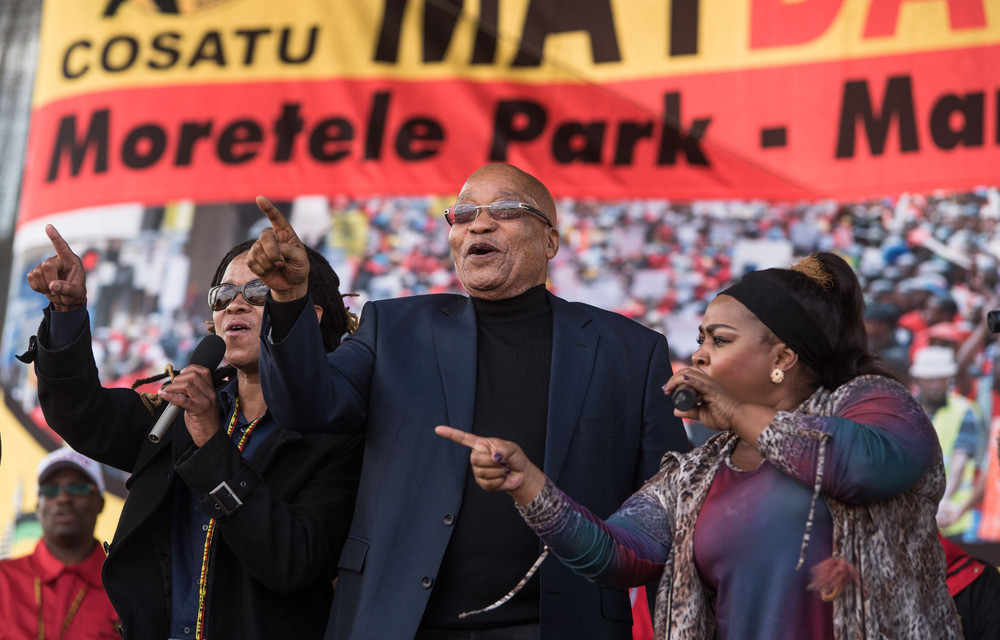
(711,293)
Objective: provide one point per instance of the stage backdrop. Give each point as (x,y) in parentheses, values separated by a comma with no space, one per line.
(150,101)
(156,122)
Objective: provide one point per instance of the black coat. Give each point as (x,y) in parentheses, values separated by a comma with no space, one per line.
(274,558)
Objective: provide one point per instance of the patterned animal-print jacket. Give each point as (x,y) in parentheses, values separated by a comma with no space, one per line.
(901,591)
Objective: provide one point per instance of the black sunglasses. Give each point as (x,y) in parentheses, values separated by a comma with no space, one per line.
(221,296)
(500,210)
(75,490)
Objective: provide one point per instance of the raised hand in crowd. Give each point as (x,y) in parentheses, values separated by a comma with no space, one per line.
(61,277)
(278,257)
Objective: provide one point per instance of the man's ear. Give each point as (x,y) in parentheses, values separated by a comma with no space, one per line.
(319,313)
(553,243)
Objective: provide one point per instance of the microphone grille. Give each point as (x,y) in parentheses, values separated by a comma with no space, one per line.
(209,352)
(684,399)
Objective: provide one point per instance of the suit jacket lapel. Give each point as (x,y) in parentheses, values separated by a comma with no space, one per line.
(454,332)
(574,348)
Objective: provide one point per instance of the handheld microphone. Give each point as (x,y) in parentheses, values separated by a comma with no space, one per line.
(685,398)
(208,354)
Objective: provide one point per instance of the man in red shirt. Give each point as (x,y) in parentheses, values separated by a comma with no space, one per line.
(975,586)
(56,592)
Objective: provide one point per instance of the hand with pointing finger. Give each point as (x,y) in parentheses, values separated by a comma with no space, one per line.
(279,258)
(60,278)
(499,465)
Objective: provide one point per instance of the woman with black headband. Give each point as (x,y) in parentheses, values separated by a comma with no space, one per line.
(810,516)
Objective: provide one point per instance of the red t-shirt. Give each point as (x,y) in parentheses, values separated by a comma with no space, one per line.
(963,569)
(61,585)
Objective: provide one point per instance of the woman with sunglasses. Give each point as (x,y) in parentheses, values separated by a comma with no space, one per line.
(233,524)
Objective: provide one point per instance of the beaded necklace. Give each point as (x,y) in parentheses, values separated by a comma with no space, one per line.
(207,553)
(73,608)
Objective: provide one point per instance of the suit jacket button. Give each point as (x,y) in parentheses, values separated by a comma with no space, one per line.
(427,582)
(448,519)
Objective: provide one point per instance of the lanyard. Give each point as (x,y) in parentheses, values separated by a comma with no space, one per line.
(207,553)
(73,608)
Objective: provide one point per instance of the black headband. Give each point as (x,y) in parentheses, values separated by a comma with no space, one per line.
(784,316)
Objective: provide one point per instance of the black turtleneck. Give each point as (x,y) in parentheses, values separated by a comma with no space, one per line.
(491,547)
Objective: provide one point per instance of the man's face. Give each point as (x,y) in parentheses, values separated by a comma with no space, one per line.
(933,391)
(935,311)
(69,518)
(499,259)
(878,332)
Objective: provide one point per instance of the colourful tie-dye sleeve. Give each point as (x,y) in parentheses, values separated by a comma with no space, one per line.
(627,550)
(879,442)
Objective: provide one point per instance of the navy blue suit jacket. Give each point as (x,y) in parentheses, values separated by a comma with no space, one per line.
(412,366)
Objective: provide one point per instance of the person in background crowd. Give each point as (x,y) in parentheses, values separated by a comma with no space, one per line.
(881,326)
(810,517)
(989,395)
(940,308)
(56,592)
(953,335)
(937,310)
(960,431)
(975,586)
(579,385)
(915,295)
(974,355)
(233,523)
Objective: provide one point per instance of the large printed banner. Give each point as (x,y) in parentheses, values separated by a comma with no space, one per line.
(155,100)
